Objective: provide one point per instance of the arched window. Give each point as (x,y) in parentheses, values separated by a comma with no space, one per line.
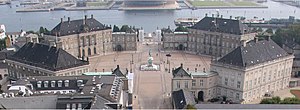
(89,52)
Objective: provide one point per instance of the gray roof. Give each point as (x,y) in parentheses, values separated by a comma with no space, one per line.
(33,102)
(46,57)
(180,72)
(231,26)
(247,106)
(254,53)
(77,26)
(107,82)
(291,44)
(181,98)
(118,72)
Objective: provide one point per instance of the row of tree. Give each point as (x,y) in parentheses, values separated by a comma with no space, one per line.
(277,100)
(290,33)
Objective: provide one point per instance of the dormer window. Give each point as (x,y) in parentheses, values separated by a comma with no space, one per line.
(39,84)
(52,83)
(45,84)
(79,82)
(59,83)
(66,83)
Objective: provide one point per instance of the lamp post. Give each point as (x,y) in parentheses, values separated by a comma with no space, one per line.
(168,62)
(131,62)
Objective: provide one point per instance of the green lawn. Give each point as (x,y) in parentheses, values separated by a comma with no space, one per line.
(209,3)
(243,3)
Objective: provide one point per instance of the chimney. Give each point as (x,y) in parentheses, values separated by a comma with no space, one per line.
(230,17)
(205,14)
(69,20)
(84,21)
(85,17)
(204,70)
(61,20)
(218,15)
(212,15)
(92,16)
(255,39)
(118,66)
(181,65)
(221,16)
(243,43)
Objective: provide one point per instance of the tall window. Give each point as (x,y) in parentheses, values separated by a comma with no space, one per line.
(255,81)
(250,84)
(186,84)
(178,84)
(201,82)
(237,96)
(226,81)
(193,82)
(238,84)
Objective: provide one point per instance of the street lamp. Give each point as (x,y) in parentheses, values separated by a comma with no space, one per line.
(168,62)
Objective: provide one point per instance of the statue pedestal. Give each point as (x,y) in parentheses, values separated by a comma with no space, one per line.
(147,67)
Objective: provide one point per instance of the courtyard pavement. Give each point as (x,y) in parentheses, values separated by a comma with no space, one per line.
(151,89)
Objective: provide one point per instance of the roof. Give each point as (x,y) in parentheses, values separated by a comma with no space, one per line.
(33,102)
(97,73)
(100,85)
(181,98)
(247,106)
(46,57)
(291,44)
(118,72)
(180,72)
(230,26)
(254,52)
(77,26)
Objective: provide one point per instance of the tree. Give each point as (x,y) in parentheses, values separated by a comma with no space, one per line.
(181,29)
(116,29)
(188,106)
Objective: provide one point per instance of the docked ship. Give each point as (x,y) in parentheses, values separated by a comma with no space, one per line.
(186,22)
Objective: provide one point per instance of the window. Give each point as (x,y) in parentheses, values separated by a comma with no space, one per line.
(201,82)
(178,84)
(66,83)
(270,77)
(193,82)
(237,96)
(68,106)
(238,84)
(250,84)
(226,81)
(79,106)
(264,77)
(73,73)
(232,82)
(52,83)
(59,83)
(255,81)
(186,84)
(45,84)
(258,81)
(39,84)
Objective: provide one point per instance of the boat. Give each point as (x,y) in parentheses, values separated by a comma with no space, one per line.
(255,20)
(186,22)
